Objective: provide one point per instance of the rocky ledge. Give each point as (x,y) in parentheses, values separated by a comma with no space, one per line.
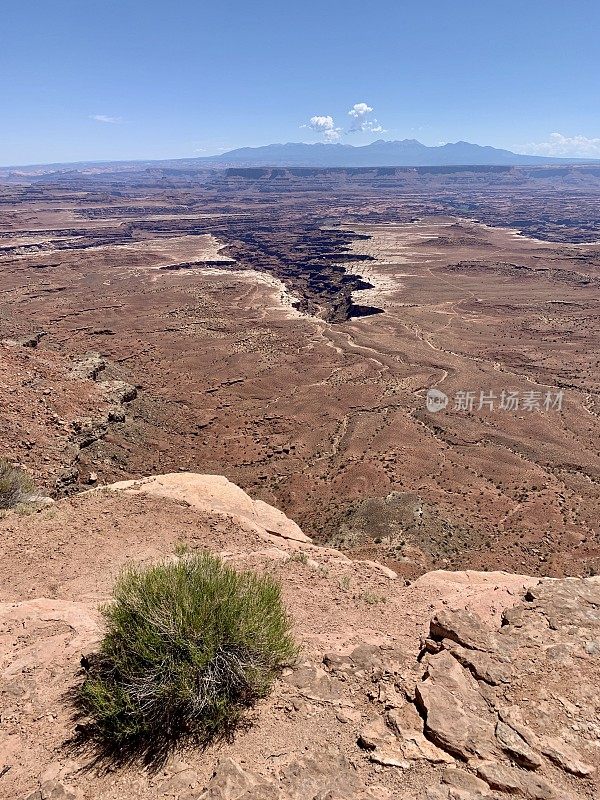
(459,686)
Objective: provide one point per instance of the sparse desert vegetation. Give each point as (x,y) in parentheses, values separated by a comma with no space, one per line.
(189,645)
(16,486)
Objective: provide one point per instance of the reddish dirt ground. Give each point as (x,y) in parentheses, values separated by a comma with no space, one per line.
(321,415)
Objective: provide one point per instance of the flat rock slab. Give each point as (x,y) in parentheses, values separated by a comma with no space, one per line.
(215,494)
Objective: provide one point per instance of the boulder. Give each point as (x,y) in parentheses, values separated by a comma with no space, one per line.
(565,757)
(516,747)
(464,628)
(483,666)
(456,715)
(520,783)
(464,781)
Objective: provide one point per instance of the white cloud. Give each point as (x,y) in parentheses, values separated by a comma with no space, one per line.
(324,124)
(105,118)
(333,135)
(566,146)
(359,113)
(368,125)
(359,110)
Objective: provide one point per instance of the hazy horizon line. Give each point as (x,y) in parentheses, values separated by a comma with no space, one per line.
(196,157)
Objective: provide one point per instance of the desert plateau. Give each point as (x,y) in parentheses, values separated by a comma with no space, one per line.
(299,400)
(243,323)
(240,361)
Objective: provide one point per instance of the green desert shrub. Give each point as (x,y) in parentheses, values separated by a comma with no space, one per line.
(15,485)
(188,646)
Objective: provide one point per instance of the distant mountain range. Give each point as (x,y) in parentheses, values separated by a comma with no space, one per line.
(404,153)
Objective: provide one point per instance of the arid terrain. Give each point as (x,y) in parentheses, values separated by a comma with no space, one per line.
(282,327)
(404,365)
(460,686)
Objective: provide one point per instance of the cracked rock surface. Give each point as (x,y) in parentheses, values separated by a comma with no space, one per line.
(457,687)
(515,706)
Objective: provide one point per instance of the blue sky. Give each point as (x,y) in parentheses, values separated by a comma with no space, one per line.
(110,79)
